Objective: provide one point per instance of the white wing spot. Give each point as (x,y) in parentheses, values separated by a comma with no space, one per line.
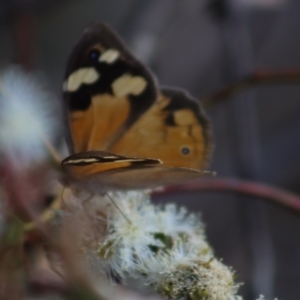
(79,77)
(109,56)
(127,84)
(81,160)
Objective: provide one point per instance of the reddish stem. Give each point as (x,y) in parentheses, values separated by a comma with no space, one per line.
(275,195)
(21,192)
(256,77)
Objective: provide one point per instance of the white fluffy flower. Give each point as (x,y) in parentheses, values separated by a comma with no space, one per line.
(26,118)
(130,232)
(159,246)
(183,272)
(173,221)
(183,254)
(216,280)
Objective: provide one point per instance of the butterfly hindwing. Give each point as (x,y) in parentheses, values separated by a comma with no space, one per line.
(174,129)
(106,89)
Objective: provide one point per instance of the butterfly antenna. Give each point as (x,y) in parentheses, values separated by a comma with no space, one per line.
(63,200)
(88,199)
(118,208)
(94,226)
(56,159)
(62,195)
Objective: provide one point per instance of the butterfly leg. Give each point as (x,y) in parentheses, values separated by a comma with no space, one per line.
(117,207)
(90,197)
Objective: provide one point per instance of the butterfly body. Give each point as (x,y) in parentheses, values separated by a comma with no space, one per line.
(113,105)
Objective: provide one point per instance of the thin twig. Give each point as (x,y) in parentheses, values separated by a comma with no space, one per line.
(272,194)
(257,77)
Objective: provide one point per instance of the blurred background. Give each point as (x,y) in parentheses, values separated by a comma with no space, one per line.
(202,45)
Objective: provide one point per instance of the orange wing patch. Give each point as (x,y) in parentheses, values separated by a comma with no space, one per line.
(81,124)
(180,143)
(110,115)
(148,129)
(101,124)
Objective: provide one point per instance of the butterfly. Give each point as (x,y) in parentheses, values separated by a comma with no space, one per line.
(124,132)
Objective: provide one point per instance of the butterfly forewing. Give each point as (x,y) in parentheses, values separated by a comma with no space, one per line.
(106,89)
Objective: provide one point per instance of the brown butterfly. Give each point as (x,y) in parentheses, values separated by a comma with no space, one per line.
(113,105)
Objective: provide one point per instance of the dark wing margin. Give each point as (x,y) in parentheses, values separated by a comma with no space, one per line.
(183,100)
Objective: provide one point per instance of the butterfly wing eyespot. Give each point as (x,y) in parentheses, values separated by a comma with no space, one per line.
(185,150)
(94,55)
